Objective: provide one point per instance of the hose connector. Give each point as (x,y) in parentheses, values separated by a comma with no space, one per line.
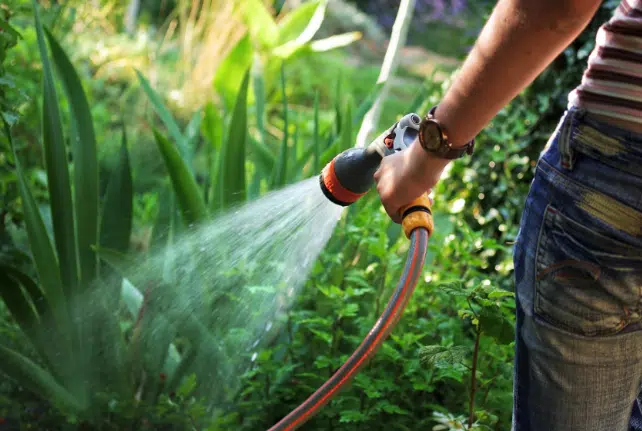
(417,214)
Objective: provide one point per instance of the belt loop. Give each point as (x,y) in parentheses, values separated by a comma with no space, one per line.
(564,141)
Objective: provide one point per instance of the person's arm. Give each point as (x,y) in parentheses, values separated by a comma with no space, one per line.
(521,38)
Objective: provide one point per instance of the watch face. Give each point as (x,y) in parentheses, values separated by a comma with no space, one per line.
(431,135)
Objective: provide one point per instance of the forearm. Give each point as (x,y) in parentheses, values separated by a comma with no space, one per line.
(521,38)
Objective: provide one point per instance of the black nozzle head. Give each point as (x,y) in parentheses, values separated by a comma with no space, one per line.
(349,175)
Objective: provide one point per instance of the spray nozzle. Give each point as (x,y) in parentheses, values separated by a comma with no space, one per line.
(349,175)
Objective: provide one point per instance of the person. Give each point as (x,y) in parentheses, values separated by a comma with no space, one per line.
(578,253)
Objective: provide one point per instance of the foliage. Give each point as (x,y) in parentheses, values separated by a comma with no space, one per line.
(88,340)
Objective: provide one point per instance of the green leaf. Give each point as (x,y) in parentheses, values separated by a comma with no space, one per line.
(233,161)
(212,129)
(162,223)
(41,247)
(258,85)
(57,173)
(353,416)
(497,293)
(229,74)
(263,157)
(317,138)
(299,27)
(36,295)
(192,133)
(186,190)
(302,23)
(85,161)
(281,168)
(117,216)
(442,356)
(302,161)
(16,302)
(187,386)
(118,260)
(347,139)
(212,126)
(367,103)
(165,115)
(494,324)
(260,23)
(4,25)
(30,375)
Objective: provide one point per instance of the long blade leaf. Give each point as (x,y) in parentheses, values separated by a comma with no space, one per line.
(16,302)
(347,140)
(41,248)
(233,161)
(85,160)
(263,157)
(281,168)
(165,115)
(116,222)
(317,138)
(35,293)
(229,74)
(57,171)
(29,374)
(187,192)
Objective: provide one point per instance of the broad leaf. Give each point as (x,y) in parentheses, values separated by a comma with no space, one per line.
(260,23)
(494,324)
(229,74)
(442,356)
(300,25)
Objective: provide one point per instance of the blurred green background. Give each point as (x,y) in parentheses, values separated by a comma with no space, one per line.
(125,122)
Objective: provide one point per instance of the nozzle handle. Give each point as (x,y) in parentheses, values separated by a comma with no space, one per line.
(416,214)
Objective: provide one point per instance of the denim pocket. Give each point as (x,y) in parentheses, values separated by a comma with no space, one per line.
(586,283)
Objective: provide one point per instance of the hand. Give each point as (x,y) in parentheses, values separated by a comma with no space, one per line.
(404,176)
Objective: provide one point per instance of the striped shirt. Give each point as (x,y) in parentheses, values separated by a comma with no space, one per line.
(612,82)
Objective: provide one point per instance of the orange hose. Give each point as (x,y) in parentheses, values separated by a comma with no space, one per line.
(377,335)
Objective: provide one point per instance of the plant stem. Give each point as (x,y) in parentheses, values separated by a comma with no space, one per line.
(473,379)
(390,62)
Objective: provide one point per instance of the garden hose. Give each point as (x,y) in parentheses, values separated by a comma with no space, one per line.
(344,180)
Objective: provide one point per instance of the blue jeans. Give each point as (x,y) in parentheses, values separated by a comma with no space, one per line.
(578,274)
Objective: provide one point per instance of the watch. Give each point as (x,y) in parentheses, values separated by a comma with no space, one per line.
(434,139)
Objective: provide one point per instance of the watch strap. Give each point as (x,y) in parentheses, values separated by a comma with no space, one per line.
(445,150)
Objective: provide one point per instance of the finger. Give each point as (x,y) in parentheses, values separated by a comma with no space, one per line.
(377,173)
(393,214)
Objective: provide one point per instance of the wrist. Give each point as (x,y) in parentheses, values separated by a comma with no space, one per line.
(423,165)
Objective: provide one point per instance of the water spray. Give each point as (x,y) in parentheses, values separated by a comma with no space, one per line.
(343,181)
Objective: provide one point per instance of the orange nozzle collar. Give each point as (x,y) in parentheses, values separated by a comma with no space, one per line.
(333,189)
